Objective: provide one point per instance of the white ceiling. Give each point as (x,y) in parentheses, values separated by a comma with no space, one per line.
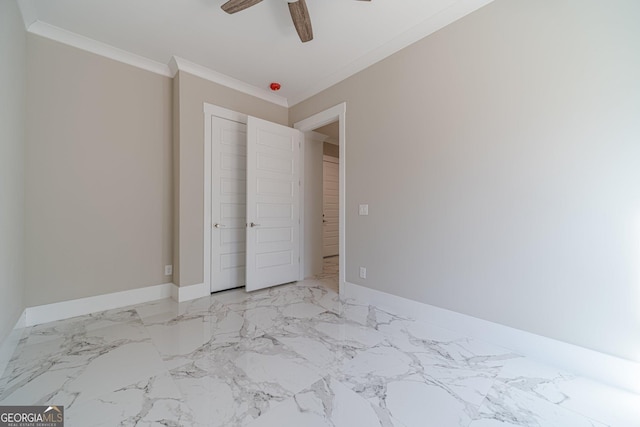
(258,45)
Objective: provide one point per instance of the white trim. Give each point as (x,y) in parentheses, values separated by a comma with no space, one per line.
(338,112)
(228,81)
(81,42)
(191,292)
(429,26)
(316,136)
(602,367)
(78,307)
(169,70)
(28,12)
(211,110)
(301,197)
(173,66)
(224,113)
(208,224)
(10,343)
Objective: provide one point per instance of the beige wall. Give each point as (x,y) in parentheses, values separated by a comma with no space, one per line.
(12,120)
(191,93)
(329,149)
(98,175)
(500,161)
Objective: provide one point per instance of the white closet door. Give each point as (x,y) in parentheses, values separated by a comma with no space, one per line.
(228,203)
(273,204)
(330,223)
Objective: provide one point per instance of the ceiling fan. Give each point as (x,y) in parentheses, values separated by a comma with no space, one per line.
(298,10)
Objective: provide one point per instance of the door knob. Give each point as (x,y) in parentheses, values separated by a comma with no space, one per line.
(216,225)
(253,224)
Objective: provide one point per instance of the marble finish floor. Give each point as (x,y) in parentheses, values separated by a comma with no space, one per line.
(293,355)
(329,275)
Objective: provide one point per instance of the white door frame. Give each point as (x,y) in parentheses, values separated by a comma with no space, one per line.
(209,111)
(325,117)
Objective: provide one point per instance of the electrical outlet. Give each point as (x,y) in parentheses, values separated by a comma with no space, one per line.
(363,210)
(168,270)
(363,272)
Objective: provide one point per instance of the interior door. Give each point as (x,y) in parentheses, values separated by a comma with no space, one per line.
(330,222)
(273,204)
(228,203)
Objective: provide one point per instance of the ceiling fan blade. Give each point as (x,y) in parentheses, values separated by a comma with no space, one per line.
(233,6)
(301,20)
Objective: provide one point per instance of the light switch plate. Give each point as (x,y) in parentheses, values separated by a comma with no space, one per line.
(363,210)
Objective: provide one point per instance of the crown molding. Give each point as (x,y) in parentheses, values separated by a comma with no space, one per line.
(176,63)
(28,12)
(429,26)
(173,66)
(48,31)
(434,23)
(180,64)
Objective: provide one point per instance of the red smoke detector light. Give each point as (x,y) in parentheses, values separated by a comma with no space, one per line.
(275,86)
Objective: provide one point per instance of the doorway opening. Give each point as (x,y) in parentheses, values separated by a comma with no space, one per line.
(323,163)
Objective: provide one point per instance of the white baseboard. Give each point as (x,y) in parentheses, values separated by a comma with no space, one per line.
(78,307)
(8,346)
(188,293)
(602,367)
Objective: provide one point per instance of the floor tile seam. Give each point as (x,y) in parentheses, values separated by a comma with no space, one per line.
(394,418)
(542,400)
(485,396)
(428,379)
(503,349)
(321,371)
(97,350)
(96,315)
(21,341)
(284,401)
(84,330)
(82,369)
(161,357)
(18,350)
(404,320)
(107,393)
(290,394)
(164,360)
(329,376)
(77,370)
